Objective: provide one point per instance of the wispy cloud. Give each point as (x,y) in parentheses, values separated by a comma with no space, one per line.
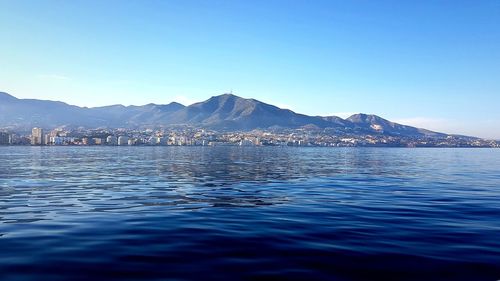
(425,122)
(184,100)
(284,106)
(58,77)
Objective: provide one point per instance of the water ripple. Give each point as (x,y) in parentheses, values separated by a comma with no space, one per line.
(190,213)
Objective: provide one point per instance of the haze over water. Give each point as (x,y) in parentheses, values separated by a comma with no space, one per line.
(212,213)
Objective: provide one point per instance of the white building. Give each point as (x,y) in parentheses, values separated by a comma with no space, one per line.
(122,140)
(112,140)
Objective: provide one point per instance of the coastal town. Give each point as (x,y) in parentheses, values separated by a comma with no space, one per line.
(192,136)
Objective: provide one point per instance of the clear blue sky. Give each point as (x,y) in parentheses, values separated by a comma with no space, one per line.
(433,64)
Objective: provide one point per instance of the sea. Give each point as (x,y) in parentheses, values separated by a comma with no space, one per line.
(249,213)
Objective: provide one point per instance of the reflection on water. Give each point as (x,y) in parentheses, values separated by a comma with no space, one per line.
(114,213)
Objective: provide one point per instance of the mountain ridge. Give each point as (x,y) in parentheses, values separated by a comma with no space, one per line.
(223,112)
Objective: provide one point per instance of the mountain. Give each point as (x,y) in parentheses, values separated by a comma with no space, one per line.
(26,113)
(229,112)
(4,97)
(137,116)
(365,122)
(224,112)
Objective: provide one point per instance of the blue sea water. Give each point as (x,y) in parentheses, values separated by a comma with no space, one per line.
(249,213)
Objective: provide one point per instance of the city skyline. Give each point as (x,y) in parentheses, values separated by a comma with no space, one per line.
(430,65)
(220,100)
(191,136)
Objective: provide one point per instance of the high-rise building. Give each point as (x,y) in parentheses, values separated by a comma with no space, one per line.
(111,140)
(4,138)
(36,136)
(122,140)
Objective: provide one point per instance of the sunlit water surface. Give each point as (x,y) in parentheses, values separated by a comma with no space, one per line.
(213,213)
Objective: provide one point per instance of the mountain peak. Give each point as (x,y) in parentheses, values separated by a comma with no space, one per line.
(365,118)
(226,96)
(230,94)
(174,103)
(172,106)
